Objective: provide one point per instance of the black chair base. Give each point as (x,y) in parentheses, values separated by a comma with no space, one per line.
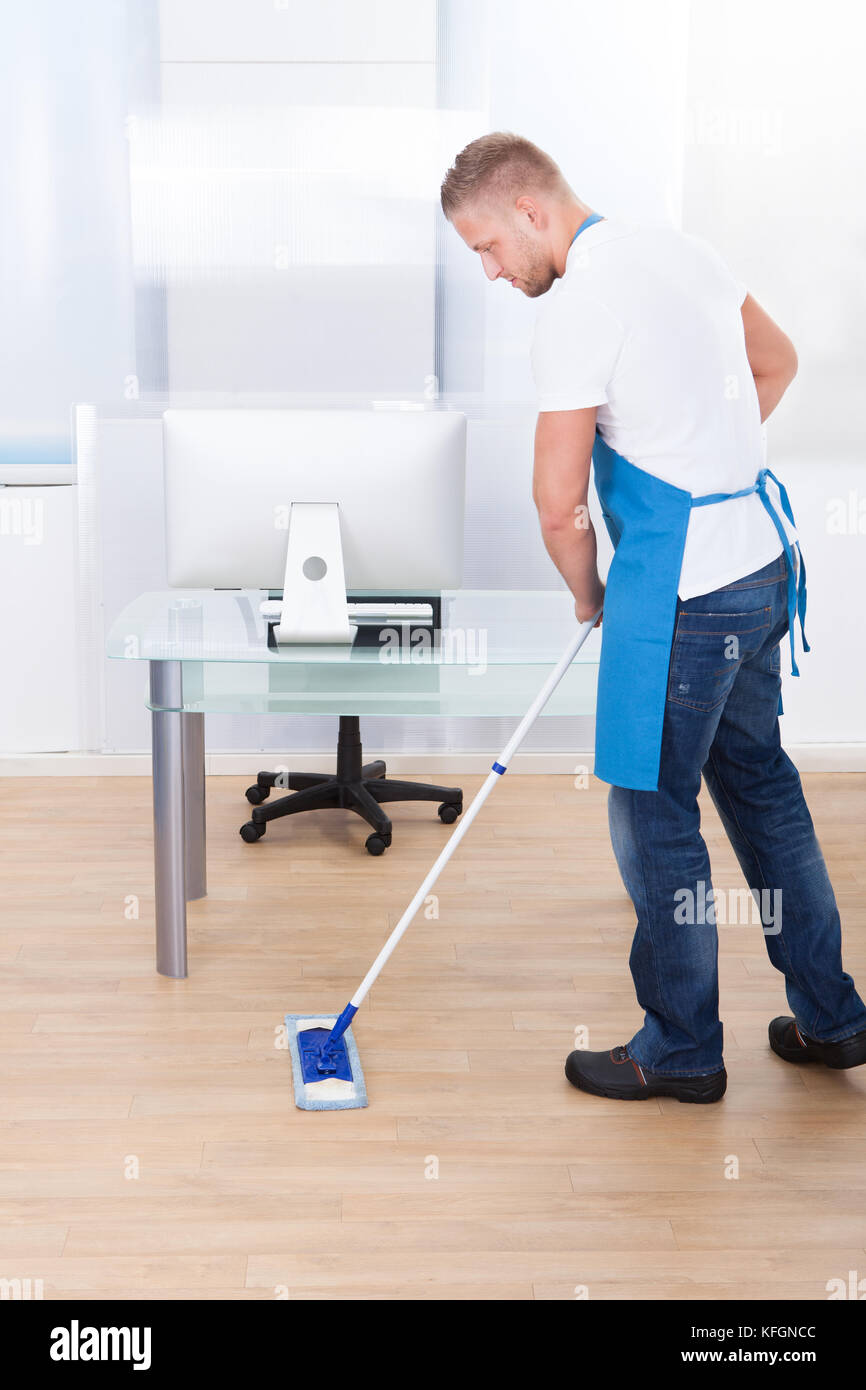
(356,786)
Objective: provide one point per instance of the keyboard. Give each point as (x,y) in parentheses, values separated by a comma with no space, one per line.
(362,613)
(391,612)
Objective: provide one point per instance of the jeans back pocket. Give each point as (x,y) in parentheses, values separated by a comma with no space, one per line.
(708,650)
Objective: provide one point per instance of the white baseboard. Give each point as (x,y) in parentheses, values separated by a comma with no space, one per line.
(808,757)
(828,757)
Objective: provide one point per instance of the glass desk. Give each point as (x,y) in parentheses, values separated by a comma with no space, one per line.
(209,652)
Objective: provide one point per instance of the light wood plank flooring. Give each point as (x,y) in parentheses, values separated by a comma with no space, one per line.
(150,1147)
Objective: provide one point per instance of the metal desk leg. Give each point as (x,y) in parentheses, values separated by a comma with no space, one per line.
(168,818)
(195,838)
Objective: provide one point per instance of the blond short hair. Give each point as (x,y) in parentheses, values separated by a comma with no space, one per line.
(499,167)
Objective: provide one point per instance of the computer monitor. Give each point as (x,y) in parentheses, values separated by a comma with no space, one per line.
(315,503)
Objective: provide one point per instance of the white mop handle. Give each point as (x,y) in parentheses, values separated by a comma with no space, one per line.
(499,767)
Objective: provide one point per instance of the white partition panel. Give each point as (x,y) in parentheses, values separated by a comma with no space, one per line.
(294,31)
(39,710)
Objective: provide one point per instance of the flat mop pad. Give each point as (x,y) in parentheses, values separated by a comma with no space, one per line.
(343,1088)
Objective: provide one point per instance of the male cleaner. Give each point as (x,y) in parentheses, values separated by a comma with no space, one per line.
(652,363)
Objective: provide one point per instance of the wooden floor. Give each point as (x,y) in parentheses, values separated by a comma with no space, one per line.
(150,1147)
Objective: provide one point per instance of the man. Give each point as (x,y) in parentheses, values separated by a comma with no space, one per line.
(653,363)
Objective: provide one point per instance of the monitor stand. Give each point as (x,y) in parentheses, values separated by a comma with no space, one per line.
(314,587)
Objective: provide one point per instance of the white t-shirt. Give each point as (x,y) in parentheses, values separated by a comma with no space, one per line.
(645,324)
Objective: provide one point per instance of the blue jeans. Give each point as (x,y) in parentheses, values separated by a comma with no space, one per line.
(721,719)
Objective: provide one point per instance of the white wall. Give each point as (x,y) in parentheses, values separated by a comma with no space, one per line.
(39,692)
(293,31)
(252,282)
(774,138)
(66,331)
(281,192)
(205,227)
(65,283)
(825,705)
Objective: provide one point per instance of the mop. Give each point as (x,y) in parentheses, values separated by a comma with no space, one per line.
(326,1068)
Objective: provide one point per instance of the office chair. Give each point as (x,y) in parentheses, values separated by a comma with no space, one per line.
(356,786)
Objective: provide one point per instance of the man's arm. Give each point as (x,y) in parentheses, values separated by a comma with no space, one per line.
(560,485)
(771,355)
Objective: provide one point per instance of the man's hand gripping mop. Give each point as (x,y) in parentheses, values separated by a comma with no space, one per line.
(326,1068)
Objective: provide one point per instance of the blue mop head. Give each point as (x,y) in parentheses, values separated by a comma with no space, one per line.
(343,1088)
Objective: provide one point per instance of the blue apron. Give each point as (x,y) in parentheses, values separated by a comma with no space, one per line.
(647,520)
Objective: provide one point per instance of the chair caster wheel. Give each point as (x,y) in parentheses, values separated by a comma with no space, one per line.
(256,795)
(448,812)
(252,832)
(375,844)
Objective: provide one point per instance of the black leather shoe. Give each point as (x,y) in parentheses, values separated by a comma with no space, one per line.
(620,1077)
(788,1042)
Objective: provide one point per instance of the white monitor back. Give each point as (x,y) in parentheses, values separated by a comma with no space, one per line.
(399,477)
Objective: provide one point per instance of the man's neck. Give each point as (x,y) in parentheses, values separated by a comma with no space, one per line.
(573,217)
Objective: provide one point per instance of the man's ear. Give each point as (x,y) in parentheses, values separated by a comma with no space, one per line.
(527,205)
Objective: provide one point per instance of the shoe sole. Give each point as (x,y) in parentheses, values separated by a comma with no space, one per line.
(704,1090)
(837,1060)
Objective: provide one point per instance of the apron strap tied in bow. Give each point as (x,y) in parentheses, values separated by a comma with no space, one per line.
(796,586)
